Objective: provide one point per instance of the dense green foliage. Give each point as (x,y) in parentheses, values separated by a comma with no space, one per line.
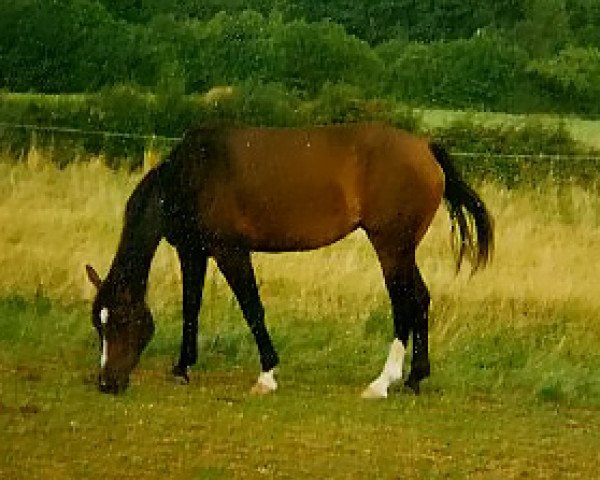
(122,122)
(379,20)
(518,55)
(574,74)
(478,72)
(515,154)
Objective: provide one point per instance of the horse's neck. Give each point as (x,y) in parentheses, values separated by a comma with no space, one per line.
(142,232)
(130,269)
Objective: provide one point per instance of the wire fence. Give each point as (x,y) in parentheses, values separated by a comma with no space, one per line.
(80,131)
(153,138)
(525,156)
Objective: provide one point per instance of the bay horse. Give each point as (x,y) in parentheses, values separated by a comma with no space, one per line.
(226,192)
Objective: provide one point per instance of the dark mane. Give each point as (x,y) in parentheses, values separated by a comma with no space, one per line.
(139,198)
(142,231)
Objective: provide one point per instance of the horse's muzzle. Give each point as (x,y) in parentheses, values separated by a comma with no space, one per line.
(111,385)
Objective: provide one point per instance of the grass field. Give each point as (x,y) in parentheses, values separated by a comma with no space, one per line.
(585,131)
(514,392)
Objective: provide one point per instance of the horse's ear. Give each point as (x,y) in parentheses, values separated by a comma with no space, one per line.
(93,276)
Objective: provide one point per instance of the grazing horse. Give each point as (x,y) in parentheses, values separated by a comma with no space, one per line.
(226,192)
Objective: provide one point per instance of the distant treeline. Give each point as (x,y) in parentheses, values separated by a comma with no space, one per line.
(510,55)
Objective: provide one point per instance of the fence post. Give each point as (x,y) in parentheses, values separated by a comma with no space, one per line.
(34,159)
(151,154)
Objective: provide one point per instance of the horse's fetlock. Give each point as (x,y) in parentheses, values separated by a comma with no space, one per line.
(420,370)
(181,372)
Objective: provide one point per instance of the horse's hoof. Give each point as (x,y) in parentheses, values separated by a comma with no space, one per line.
(419,372)
(260,388)
(265,384)
(413,386)
(374,391)
(372,394)
(181,374)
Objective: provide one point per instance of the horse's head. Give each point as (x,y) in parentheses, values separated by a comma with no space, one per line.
(125,328)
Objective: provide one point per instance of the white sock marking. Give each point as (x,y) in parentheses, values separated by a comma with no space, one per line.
(392,372)
(267,379)
(104,355)
(104,321)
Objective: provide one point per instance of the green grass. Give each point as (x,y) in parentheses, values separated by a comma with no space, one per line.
(585,131)
(507,399)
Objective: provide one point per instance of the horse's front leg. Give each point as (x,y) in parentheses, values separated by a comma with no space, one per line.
(193,262)
(237,269)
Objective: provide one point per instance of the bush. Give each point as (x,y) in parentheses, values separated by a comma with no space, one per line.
(147,121)
(343,103)
(480,73)
(573,77)
(258,104)
(529,137)
(232,49)
(84,49)
(307,56)
(228,49)
(548,149)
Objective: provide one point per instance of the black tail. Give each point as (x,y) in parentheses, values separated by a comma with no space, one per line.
(468,215)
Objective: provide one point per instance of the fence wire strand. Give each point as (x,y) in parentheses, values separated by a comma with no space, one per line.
(154,137)
(79,131)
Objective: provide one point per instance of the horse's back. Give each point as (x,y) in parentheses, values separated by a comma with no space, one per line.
(293,189)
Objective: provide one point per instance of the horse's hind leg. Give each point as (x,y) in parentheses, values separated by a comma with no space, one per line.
(237,270)
(420,367)
(409,299)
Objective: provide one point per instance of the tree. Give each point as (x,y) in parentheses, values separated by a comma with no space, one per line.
(308,55)
(545,29)
(584,21)
(479,72)
(59,46)
(572,76)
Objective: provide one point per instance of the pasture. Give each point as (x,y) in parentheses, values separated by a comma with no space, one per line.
(584,131)
(514,391)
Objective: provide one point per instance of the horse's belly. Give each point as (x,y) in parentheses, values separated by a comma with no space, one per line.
(300,223)
(314,232)
(287,220)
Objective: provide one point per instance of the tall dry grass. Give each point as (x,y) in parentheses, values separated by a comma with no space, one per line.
(529,321)
(53,222)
